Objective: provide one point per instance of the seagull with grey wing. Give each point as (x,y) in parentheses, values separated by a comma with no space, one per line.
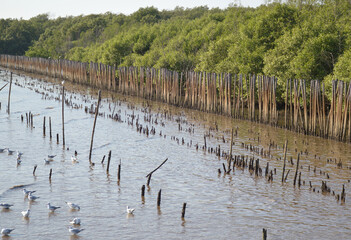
(26,192)
(74,231)
(73,206)
(75,221)
(52,208)
(6,205)
(31,197)
(6,231)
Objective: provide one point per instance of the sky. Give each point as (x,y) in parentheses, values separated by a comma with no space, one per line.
(61,8)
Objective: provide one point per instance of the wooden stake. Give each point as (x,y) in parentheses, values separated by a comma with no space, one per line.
(50,128)
(285,149)
(297,168)
(183,210)
(50,174)
(9,97)
(103,159)
(34,169)
(264,234)
(92,134)
(44,126)
(119,172)
(159,198)
(148,180)
(108,162)
(63,115)
(143,191)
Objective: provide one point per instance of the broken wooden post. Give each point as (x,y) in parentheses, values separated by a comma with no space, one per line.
(92,134)
(103,159)
(148,180)
(50,174)
(149,175)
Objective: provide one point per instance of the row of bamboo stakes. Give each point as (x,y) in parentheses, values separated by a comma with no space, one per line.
(248,97)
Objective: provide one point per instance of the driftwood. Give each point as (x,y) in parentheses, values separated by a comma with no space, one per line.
(157,168)
(3,86)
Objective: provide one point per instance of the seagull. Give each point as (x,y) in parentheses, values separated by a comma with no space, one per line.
(74,159)
(6,231)
(18,161)
(74,231)
(52,208)
(130,210)
(9,152)
(51,156)
(19,154)
(26,192)
(46,161)
(31,197)
(73,205)
(26,213)
(75,221)
(2,150)
(6,205)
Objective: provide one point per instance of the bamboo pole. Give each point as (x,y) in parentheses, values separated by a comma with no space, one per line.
(92,134)
(9,97)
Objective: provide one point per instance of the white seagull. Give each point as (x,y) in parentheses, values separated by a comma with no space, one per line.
(73,205)
(26,192)
(6,231)
(74,159)
(6,205)
(75,231)
(130,210)
(46,161)
(19,154)
(26,213)
(75,221)
(31,197)
(2,150)
(52,208)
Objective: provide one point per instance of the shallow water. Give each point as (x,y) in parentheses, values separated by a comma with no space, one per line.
(232,206)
